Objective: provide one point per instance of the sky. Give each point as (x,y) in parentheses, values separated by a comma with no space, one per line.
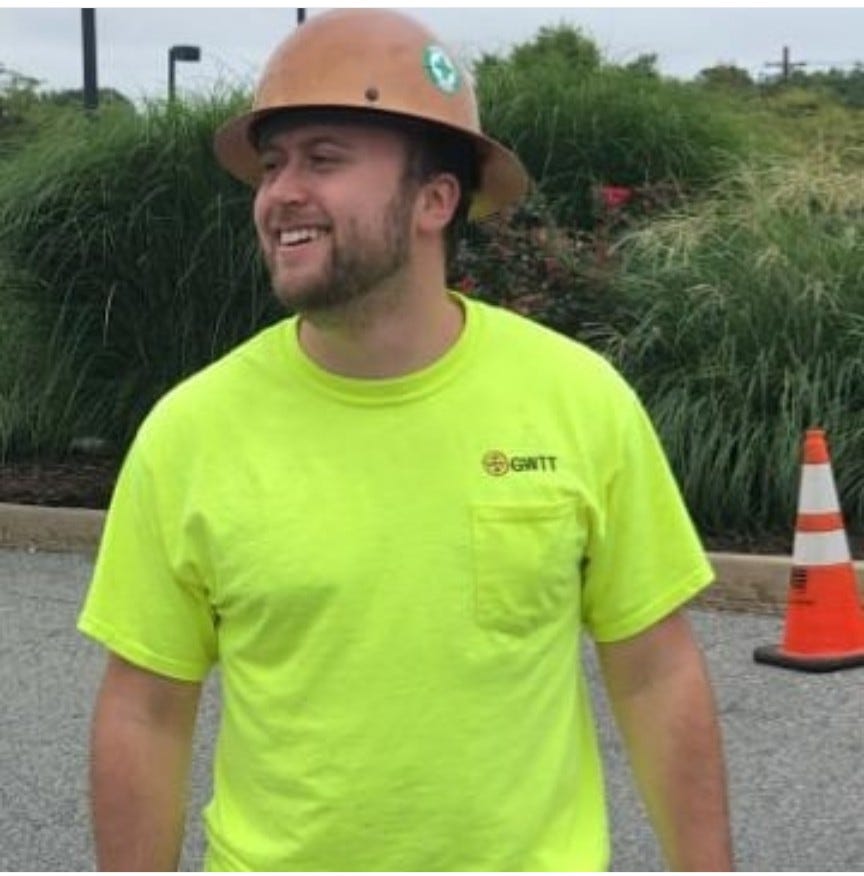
(132,43)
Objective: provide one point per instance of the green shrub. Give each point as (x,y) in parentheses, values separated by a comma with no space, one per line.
(528,263)
(578,128)
(747,327)
(830,128)
(141,259)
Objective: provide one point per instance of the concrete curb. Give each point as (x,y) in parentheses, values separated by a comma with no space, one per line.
(32,527)
(755,583)
(745,582)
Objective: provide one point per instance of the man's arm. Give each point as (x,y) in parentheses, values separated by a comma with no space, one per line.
(661,697)
(141,747)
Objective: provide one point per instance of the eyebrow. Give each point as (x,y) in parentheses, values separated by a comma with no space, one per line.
(307,143)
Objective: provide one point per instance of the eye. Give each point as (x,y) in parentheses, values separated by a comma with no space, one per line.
(268,162)
(323,159)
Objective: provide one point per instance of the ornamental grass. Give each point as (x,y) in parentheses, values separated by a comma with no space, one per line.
(745,327)
(134,255)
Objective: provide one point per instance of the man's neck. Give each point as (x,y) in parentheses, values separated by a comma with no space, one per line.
(389,333)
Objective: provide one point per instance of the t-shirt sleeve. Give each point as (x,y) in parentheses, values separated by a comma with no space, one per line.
(644,558)
(148,601)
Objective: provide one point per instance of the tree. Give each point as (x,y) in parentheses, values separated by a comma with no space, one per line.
(845,86)
(75,97)
(563,46)
(850,86)
(841,86)
(487,63)
(644,65)
(18,107)
(17,95)
(24,108)
(725,76)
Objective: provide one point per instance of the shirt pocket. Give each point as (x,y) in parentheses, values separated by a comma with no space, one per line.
(526,564)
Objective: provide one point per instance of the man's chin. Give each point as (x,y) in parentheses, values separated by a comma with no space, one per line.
(297,294)
(309,299)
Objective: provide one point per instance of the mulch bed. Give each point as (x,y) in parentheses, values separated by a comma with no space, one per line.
(73,483)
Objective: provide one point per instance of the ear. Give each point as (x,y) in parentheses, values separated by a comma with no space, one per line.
(436,203)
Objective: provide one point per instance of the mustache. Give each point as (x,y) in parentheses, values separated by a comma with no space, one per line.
(297,219)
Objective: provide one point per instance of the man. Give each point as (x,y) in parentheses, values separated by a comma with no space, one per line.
(388,520)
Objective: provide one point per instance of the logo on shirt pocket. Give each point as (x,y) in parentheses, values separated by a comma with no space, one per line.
(526,561)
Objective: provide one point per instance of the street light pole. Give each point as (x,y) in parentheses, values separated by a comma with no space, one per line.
(179,53)
(88,45)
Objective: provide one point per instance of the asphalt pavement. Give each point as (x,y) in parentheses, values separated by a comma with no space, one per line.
(794,741)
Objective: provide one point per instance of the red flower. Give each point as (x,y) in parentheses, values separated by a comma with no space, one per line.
(615,197)
(466,285)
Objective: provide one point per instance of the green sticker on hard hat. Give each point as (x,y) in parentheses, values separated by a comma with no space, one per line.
(441,70)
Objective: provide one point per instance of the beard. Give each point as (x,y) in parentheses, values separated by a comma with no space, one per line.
(360,260)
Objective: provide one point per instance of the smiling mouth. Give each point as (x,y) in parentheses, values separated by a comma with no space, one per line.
(299,236)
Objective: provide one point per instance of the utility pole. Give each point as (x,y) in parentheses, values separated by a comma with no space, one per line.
(88,40)
(786,66)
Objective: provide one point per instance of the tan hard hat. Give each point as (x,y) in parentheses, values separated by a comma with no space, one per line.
(379,60)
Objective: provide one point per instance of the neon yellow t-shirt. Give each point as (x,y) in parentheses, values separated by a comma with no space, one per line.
(393,576)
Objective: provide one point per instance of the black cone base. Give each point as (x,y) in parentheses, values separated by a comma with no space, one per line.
(776,657)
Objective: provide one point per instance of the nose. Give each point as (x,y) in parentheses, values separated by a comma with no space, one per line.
(287,185)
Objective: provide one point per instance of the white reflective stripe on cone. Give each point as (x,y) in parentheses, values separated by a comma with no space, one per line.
(818,493)
(820,548)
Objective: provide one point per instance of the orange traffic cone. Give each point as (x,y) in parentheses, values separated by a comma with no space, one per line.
(824,619)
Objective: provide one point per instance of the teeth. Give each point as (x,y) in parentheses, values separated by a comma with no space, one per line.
(299,235)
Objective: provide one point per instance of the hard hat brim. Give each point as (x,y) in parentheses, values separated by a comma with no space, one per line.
(503,179)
